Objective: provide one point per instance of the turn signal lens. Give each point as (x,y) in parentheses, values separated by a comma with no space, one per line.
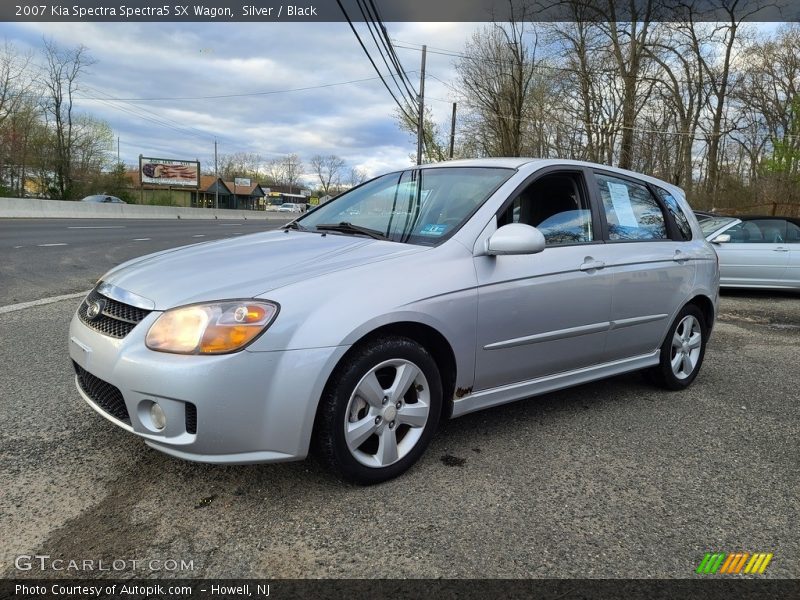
(216,328)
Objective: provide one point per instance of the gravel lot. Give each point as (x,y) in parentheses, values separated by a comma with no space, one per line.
(611,479)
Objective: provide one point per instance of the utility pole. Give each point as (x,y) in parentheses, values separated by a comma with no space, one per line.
(117,149)
(421,109)
(216,174)
(453,131)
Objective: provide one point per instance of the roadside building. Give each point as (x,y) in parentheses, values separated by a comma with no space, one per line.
(204,196)
(230,195)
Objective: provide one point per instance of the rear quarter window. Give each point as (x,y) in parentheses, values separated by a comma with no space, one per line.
(676,214)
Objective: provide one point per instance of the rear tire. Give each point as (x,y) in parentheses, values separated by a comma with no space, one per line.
(682,351)
(379,410)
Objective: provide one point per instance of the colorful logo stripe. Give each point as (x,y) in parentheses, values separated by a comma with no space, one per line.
(733,563)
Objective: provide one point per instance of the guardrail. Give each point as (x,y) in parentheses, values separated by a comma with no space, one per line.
(33,208)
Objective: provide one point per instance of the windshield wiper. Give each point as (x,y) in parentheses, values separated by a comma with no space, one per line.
(295,225)
(347,227)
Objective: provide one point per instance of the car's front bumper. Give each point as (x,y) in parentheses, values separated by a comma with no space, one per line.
(250,406)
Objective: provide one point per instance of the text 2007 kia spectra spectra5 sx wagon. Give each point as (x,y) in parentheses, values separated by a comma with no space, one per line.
(420,295)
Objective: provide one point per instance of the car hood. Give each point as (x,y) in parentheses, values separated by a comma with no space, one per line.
(245,267)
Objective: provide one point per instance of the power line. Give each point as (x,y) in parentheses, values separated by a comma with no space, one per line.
(370,27)
(247,94)
(374,66)
(147,115)
(387,43)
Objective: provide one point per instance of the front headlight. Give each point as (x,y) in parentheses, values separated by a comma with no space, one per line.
(214,328)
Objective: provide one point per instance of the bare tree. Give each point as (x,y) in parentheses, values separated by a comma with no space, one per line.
(768,102)
(681,85)
(589,105)
(91,151)
(629,40)
(356,177)
(60,79)
(433,141)
(274,171)
(15,80)
(721,78)
(285,171)
(239,164)
(292,170)
(496,77)
(328,169)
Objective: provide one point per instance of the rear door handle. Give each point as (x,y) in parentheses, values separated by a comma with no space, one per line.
(680,256)
(590,264)
(780,249)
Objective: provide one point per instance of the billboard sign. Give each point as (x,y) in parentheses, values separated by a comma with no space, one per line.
(241,182)
(167,171)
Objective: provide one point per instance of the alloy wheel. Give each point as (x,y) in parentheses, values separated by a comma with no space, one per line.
(687,343)
(387,413)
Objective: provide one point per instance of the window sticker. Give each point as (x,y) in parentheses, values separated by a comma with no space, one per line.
(622,204)
(433,229)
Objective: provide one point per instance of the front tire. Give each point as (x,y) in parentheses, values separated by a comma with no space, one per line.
(379,410)
(682,351)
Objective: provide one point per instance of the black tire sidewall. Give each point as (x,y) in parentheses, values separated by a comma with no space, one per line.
(333,407)
(667,378)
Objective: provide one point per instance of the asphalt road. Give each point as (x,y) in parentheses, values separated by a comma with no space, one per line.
(610,479)
(49,257)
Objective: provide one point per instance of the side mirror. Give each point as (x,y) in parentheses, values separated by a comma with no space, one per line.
(722,238)
(515,238)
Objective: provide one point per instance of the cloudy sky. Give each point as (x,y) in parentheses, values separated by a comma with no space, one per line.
(158,60)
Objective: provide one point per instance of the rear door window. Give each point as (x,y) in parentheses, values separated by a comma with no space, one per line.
(632,213)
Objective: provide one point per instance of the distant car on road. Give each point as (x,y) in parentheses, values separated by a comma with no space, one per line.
(103,199)
(290,207)
(756,252)
(424,294)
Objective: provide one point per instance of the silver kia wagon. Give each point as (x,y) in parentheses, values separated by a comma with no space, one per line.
(418,296)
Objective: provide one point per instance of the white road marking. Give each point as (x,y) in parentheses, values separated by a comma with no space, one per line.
(141,239)
(229,224)
(23,305)
(48,245)
(97,227)
(15,247)
(199,235)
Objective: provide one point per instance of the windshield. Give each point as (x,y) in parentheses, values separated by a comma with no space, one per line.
(711,224)
(422,206)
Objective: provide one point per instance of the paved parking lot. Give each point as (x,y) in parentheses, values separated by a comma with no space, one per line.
(611,479)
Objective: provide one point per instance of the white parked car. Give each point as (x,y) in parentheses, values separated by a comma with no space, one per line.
(289,207)
(756,252)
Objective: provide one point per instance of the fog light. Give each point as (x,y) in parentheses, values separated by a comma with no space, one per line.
(157,416)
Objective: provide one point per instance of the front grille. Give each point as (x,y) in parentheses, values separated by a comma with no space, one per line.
(102,393)
(117,319)
(191,418)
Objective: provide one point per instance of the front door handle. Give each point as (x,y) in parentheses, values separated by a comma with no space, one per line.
(780,249)
(590,264)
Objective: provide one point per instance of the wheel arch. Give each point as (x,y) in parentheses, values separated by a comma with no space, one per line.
(706,306)
(426,336)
